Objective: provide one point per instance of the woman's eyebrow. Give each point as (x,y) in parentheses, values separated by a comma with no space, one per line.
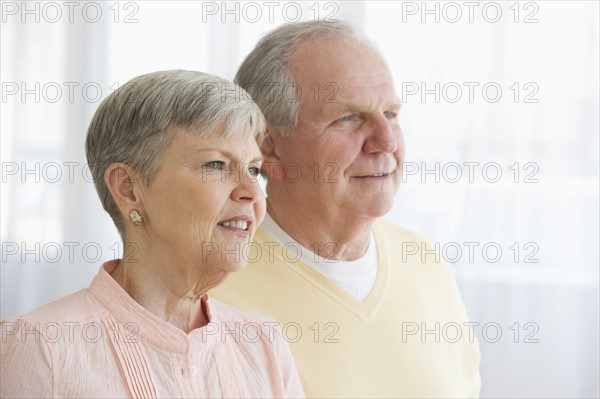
(229,154)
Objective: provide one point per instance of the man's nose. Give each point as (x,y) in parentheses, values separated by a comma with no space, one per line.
(381,137)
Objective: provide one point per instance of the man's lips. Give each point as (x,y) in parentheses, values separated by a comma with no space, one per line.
(374,171)
(379,174)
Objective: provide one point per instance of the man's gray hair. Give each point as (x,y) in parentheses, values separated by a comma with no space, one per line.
(266,75)
(135,124)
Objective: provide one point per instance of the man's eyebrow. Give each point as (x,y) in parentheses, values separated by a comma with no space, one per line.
(342,107)
(395,106)
(339,107)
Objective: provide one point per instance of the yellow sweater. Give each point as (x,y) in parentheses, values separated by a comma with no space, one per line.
(406,339)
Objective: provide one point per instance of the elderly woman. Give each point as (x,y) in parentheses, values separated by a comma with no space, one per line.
(175,162)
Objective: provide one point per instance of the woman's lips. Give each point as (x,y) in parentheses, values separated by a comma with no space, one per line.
(239,224)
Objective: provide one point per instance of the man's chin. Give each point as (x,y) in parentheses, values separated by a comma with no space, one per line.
(375,209)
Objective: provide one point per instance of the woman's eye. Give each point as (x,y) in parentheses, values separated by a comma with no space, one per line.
(215,165)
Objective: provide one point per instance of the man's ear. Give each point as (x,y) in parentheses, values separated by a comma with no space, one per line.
(268,147)
(272,164)
(123,182)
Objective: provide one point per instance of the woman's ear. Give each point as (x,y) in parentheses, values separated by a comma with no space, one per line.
(272,164)
(123,182)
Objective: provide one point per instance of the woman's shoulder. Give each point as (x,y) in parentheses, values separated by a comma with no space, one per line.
(74,307)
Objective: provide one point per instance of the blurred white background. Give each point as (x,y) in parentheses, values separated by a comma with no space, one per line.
(517,92)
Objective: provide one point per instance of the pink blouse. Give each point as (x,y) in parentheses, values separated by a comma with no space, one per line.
(99,342)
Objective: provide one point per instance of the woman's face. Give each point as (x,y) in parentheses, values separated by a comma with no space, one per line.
(203,204)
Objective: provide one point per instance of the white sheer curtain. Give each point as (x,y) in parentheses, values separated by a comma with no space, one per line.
(543,125)
(544,219)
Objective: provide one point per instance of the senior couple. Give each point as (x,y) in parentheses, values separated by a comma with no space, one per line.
(176,167)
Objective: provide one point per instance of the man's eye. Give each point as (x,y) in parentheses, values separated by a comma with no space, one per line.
(345,118)
(254,171)
(215,165)
(390,115)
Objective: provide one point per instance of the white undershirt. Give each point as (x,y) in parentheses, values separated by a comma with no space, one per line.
(356,276)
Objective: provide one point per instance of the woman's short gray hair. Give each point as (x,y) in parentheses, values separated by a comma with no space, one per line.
(135,123)
(266,75)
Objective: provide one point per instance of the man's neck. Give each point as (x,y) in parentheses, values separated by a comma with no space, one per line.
(330,236)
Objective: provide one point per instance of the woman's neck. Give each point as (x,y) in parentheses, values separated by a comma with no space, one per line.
(169,300)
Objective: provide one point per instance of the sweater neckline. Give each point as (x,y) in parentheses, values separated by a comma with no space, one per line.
(357,277)
(367,308)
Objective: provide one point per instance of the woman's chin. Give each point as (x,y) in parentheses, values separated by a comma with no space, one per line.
(230,266)
(236,267)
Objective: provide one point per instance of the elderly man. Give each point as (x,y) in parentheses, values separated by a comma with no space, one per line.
(363,318)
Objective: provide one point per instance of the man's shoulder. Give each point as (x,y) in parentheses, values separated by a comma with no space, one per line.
(394,231)
(409,249)
(233,314)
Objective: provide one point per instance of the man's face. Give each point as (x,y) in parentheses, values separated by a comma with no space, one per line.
(347,145)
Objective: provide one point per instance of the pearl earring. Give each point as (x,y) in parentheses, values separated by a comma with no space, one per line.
(135,217)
